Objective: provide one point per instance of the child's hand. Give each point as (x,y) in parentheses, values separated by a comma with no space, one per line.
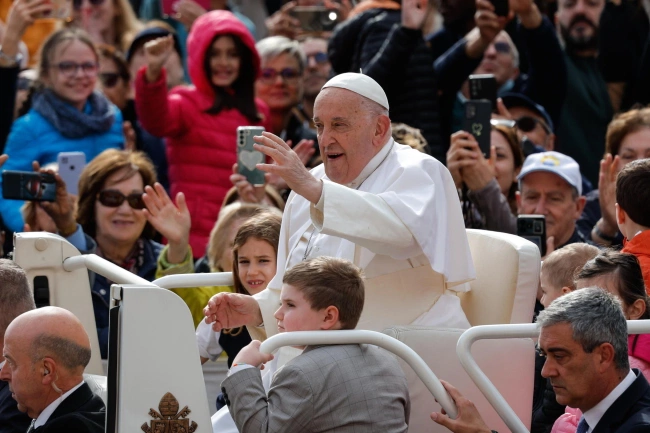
(251,355)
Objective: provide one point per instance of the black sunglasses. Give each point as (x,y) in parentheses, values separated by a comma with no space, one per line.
(114,198)
(109,79)
(77,3)
(528,123)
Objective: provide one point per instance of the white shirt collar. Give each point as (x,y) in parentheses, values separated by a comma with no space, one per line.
(48,411)
(593,415)
(372,165)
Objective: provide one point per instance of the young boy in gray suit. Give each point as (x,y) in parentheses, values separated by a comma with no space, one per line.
(342,388)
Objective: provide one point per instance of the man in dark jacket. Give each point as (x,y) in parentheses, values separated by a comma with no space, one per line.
(15,299)
(584,339)
(47,351)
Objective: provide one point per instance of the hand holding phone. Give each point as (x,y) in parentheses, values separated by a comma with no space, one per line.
(501,7)
(315,18)
(247,156)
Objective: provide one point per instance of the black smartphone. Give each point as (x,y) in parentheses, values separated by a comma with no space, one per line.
(247,156)
(533,228)
(483,87)
(528,147)
(501,7)
(477,123)
(316,18)
(28,185)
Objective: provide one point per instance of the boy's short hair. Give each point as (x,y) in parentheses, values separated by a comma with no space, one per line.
(633,191)
(326,281)
(561,266)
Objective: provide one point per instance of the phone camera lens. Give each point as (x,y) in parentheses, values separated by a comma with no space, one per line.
(72,168)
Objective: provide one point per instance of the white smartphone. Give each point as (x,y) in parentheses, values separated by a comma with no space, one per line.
(71,164)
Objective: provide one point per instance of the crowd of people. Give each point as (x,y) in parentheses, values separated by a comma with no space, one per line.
(370,181)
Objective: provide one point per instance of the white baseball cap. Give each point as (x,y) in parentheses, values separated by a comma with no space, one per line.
(554,162)
(361,85)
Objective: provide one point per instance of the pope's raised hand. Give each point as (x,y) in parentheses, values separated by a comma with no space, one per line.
(288,166)
(232,310)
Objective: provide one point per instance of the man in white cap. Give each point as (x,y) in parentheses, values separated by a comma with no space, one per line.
(391,210)
(550,184)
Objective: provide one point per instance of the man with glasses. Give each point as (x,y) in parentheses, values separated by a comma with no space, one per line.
(317,72)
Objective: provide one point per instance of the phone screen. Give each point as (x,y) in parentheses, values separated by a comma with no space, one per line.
(26,185)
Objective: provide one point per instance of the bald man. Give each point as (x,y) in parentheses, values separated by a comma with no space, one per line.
(47,351)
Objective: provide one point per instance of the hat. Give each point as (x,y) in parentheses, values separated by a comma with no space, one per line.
(554,162)
(511,99)
(150,34)
(361,85)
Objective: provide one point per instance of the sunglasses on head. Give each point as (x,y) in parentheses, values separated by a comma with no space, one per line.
(77,3)
(109,79)
(528,123)
(114,198)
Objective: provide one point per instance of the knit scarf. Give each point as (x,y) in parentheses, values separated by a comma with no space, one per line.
(96,118)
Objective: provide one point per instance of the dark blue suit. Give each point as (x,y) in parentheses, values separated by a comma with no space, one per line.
(81,412)
(11,419)
(630,413)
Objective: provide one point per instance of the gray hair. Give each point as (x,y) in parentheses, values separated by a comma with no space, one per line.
(16,296)
(595,316)
(68,353)
(274,46)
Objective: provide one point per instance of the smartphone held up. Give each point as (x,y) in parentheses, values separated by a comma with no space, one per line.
(533,228)
(28,185)
(247,156)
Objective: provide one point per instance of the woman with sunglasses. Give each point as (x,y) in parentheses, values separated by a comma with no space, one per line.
(487,185)
(200,122)
(111,221)
(64,112)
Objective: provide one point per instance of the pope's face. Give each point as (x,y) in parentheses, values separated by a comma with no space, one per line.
(346,129)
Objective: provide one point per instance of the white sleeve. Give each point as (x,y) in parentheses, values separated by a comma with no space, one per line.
(208,341)
(363,218)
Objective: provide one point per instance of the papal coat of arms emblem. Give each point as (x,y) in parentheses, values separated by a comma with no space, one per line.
(169,419)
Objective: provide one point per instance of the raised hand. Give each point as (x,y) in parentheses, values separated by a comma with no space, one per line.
(609,168)
(488,23)
(461,155)
(231,310)
(288,166)
(281,23)
(63,208)
(173,221)
(414,13)
(188,11)
(22,14)
(477,176)
(156,54)
(247,192)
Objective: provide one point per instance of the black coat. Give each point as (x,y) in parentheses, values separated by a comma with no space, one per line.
(81,412)
(11,419)
(630,413)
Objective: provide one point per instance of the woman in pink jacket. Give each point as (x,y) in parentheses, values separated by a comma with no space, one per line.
(200,121)
(620,274)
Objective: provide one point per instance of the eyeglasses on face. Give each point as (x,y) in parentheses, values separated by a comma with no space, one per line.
(289,75)
(69,68)
(528,123)
(319,57)
(109,79)
(114,198)
(502,47)
(77,3)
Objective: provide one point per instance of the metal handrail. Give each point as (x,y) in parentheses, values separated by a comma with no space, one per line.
(103,267)
(195,280)
(304,338)
(492,332)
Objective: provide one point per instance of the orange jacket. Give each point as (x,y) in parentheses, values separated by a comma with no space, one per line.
(640,247)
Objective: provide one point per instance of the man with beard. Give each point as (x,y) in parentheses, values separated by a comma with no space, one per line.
(587,108)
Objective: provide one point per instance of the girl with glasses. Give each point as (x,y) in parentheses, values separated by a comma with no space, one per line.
(64,112)
(200,122)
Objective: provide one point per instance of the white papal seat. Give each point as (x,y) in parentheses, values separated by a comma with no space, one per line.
(507,271)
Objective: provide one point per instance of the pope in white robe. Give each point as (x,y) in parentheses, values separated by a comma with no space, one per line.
(391,210)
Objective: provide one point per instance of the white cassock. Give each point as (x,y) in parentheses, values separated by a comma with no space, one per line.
(401,222)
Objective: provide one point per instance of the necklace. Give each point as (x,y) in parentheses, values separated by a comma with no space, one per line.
(307,249)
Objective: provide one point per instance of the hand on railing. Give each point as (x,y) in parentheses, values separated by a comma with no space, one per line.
(469,420)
